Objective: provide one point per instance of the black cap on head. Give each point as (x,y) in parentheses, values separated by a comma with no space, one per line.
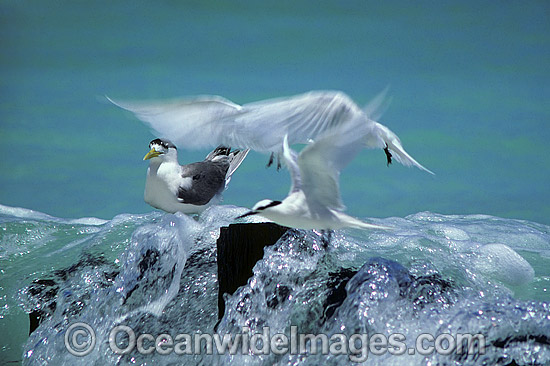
(164,143)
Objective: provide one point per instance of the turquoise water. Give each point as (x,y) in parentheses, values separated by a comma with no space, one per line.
(469,81)
(470,84)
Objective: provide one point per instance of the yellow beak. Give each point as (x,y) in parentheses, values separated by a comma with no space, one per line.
(151,154)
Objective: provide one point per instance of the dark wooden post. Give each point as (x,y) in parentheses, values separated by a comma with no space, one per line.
(240,246)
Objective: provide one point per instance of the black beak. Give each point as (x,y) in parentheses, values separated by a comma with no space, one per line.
(249,213)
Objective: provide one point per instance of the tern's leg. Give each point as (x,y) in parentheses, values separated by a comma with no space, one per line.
(322,236)
(278,163)
(388,154)
(270,162)
(326,235)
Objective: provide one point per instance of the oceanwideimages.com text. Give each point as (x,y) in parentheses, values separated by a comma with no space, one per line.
(80,340)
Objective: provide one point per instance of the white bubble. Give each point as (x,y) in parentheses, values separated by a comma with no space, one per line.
(504,264)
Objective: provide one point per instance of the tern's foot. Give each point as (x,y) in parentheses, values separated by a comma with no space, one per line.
(271,159)
(388,155)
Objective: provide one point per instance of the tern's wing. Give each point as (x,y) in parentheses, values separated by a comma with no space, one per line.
(302,117)
(378,105)
(210,120)
(320,163)
(291,157)
(381,136)
(190,123)
(208,180)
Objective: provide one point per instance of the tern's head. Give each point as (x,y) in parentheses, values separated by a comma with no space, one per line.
(261,207)
(161,149)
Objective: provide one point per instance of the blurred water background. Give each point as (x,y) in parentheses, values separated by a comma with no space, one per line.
(469,81)
(470,84)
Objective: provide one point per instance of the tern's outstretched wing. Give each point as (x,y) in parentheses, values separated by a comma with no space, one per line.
(211,120)
(206,121)
(198,122)
(320,163)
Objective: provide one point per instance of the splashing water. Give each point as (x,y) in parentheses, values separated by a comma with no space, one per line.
(157,274)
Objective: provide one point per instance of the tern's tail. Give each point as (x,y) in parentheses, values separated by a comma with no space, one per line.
(235,157)
(394,145)
(358,224)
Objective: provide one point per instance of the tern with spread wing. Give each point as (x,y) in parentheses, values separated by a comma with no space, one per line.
(314,200)
(207,121)
(189,188)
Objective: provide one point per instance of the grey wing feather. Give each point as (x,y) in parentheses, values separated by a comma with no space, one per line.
(208,180)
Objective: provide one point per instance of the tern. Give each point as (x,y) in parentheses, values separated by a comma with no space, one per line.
(191,188)
(209,120)
(314,200)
